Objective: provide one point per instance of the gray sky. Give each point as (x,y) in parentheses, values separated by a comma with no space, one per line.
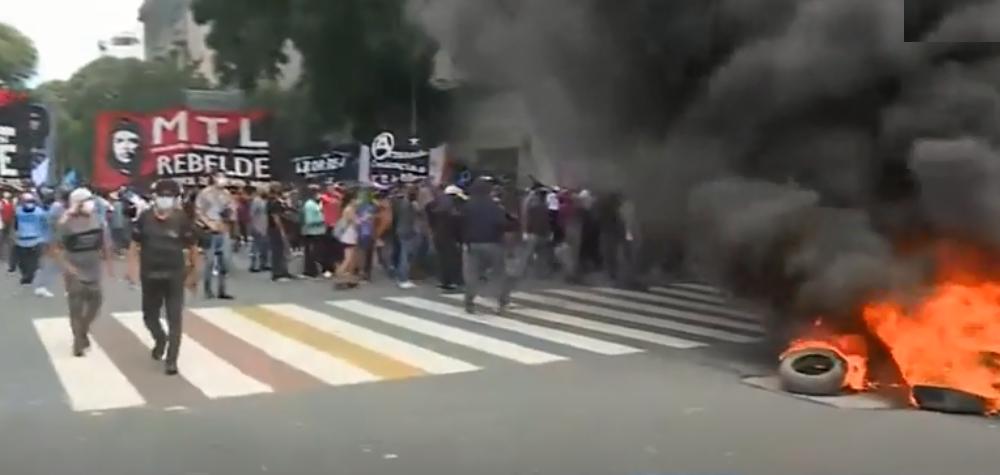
(66,32)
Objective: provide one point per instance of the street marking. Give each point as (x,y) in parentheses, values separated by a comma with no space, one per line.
(640,319)
(212,375)
(93,382)
(689,294)
(296,354)
(246,357)
(370,361)
(543,333)
(493,346)
(847,401)
(413,355)
(593,325)
(701,288)
(660,310)
(717,308)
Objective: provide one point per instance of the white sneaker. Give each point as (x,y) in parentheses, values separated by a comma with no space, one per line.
(43,292)
(407,285)
(327,275)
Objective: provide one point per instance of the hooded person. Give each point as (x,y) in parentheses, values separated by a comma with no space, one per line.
(82,247)
(164,258)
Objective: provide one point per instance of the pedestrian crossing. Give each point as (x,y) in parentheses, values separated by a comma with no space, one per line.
(230,352)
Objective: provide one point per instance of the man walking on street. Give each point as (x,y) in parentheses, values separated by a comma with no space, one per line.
(30,221)
(483,223)
(215,211)
(443,214)
(81,244)
(164,257)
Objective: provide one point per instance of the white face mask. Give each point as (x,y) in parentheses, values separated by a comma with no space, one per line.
(165,203)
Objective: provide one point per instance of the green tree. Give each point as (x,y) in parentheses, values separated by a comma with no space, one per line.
(18,56)
(109,84)
(363,61)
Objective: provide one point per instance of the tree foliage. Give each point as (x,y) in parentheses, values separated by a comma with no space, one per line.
(109,84)
(18,56)
(363,61)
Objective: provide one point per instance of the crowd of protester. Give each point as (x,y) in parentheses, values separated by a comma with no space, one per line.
(355,233)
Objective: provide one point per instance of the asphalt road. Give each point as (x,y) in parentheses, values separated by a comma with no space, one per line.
(598,410)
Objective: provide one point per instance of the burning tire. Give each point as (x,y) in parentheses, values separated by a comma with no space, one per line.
(813,372)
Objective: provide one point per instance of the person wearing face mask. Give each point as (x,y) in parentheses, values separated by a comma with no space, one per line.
(215,210)
(30,224)
(81,246)
(164,258)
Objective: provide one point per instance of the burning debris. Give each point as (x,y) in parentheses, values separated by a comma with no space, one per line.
(809,158)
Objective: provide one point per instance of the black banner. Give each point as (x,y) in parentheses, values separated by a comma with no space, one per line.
(340,164)
(25,139)
(391,163)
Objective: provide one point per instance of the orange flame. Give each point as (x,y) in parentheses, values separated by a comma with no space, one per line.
(950,339)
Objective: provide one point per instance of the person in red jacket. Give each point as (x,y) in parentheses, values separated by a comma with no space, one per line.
(332,202)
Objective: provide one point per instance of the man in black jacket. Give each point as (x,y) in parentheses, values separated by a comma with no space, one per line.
(444,214)
(164,258)
(483,222)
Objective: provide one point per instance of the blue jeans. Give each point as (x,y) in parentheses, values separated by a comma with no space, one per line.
(46,268)
(260,254)
(408,247)
(217,257)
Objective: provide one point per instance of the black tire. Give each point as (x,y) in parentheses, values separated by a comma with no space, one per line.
(812,372)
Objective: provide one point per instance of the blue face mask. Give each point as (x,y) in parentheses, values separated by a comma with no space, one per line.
(29,206)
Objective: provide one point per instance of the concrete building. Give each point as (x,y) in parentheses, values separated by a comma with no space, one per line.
(171,32)
(493,131)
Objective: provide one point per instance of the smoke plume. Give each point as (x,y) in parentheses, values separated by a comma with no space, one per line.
(792,144)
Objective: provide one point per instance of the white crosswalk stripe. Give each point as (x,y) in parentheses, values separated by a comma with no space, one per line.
(703,288)
(298,355)
(212,375)
(92,383)
(660,310)
(714,308)
(543,333)
(717,299)
(593,325)
(344,343)
(667,324)
(429,361)
(494,346)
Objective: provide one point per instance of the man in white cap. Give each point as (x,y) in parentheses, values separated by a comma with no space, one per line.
(443,218)
(81,246)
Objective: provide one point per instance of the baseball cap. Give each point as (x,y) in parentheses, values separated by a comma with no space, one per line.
(454,190)
(79,195)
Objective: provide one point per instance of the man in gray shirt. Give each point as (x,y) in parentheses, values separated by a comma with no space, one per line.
(81,246)
(215,212)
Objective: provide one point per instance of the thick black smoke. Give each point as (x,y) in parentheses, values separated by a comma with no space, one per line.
(794,143)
